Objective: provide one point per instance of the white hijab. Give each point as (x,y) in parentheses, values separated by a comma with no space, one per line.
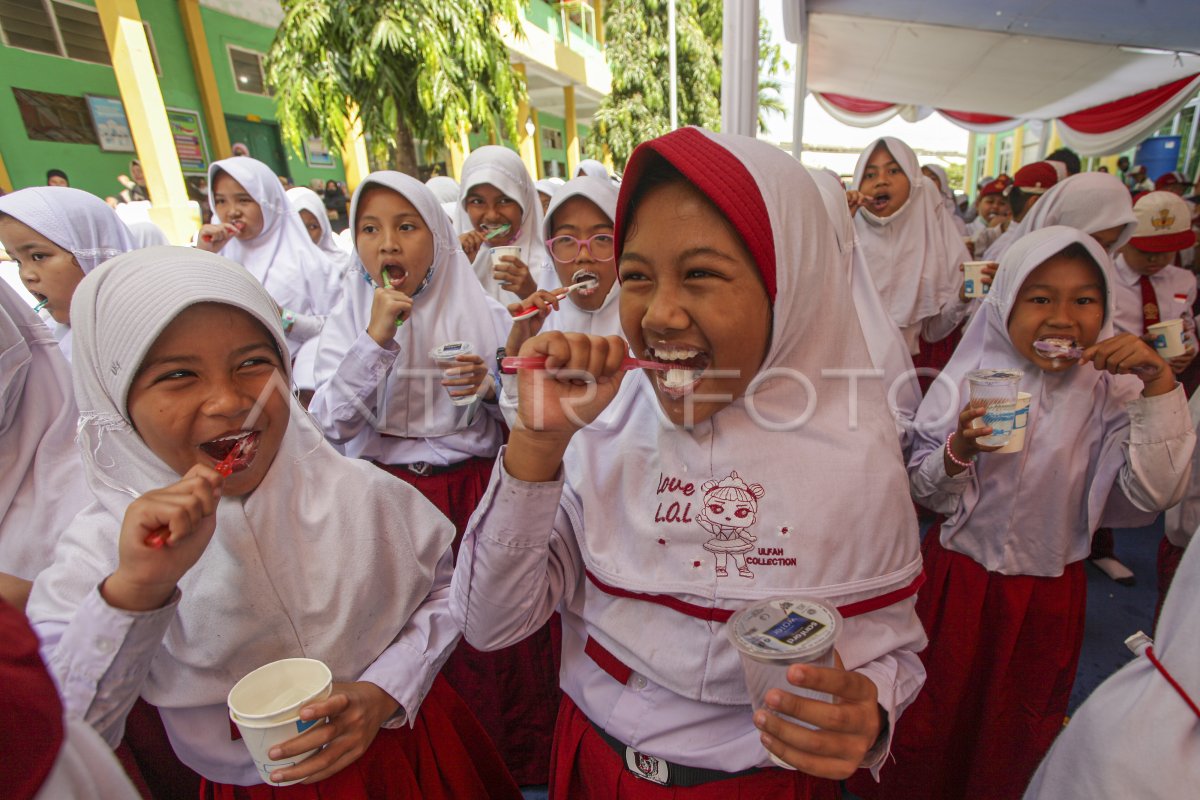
(41,483)
(592,168)
(282,257)
(299,567)
(605,320)
(76,221)
(948,198)
(450,308)
(505,170)
(914,255)
(1059,484)
(1088,202)
(147,234)
(889,351)
(444,188)
(845,545)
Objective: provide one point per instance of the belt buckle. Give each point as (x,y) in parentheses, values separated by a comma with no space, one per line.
(421,468)
(647,767)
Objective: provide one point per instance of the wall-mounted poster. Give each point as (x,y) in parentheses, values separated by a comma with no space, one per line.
(112,126)
(189,140)
(316,153)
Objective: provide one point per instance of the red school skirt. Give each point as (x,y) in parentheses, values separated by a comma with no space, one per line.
(445,756)
(1001,661)
(514,691)
(587,768)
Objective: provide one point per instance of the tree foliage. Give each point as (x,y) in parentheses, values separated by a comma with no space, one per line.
(639,106)
(405,68)
(771,65)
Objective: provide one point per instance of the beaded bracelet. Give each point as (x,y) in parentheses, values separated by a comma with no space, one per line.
(950,453)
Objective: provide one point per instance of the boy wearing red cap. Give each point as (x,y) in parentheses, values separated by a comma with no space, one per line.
(993,214)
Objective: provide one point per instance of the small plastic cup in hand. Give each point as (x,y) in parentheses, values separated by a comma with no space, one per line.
(500,252)
(773,634)
(973,285)
(1017,443)
(1168,338)
(996,389)
(446,356)
(265,705)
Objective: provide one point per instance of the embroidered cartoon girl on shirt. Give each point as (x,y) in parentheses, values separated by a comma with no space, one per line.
(730,507)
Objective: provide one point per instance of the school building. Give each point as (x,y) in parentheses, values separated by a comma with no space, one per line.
(88,85)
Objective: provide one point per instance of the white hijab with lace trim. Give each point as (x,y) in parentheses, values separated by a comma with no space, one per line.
(295,568)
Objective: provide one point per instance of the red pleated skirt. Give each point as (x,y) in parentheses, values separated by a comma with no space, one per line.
(587,768)
(1001,661)
(936,355)
(445,756)
(514,691)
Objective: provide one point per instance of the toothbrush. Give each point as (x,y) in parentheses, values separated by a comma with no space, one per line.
(158,539)
(41,305)
(387,284)
(511,364)
(1057,348)
(526,313)
(494,232)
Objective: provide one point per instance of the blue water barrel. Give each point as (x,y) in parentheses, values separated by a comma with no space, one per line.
(1159,154)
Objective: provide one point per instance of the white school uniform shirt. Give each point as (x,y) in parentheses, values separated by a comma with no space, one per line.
(76,221)
(1096,452)
(281,257)
(41,476)
(634,509)
(1175,289)
(387,404)
(1135,736)
(272,582)
(915,255)
(505,170)
(1181,521)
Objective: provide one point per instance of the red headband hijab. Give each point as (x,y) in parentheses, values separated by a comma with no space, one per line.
(721,177)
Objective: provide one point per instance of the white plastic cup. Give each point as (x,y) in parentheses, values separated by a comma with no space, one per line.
(996,389)
(502,251)
(446,356)
(1017,443)
(266,703)
(773,634)
(973,285)
(1168,338)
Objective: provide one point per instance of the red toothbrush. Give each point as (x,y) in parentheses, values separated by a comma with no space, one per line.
(158,538)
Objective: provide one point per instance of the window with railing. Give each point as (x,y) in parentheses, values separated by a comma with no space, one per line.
(248,74)
(582,15)
(59,28)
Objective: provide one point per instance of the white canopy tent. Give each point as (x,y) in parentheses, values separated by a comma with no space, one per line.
(1108,70)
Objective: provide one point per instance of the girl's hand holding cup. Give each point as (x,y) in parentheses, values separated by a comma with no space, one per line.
(964,444)
(513,276)
(388,306)
(847,728)
(149,569)
(1126,353)
(467,379)
(356,712)
(986,274)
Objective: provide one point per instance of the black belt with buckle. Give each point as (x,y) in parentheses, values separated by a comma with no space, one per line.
(423,469)
(661,771)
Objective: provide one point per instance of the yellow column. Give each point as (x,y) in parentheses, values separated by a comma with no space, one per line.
(572,130)
(525,142)
(206,79)
(5,180)
(354,153)
(537,145)
(138,85)
(599,5)
(989,160)
(1018,149)
(969,169)
(1055,140)
(458,152)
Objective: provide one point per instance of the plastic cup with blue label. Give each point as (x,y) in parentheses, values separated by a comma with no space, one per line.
(1016,442)
(446,356)
(973,285)
(996,389)
(773,634)
(1168,338)
(265,705)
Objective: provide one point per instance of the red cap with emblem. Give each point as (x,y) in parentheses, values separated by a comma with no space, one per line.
(1164,223)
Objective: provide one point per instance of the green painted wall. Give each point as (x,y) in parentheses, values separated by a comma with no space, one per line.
(89,167)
